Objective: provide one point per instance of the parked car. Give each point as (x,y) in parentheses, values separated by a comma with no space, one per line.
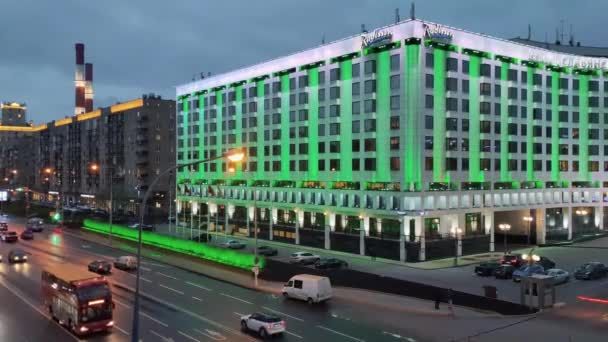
(17,255)
(309,288)
(267,251)
(486,268)
(265,325)
(126,263)
(146,227)
(559,276)
(9,236)
(330,263)
(512,259)
(546,263)
(304,258)
(3,226)
(233,244)
(27,235)
(505,271)
(35,224)
(100,266)
(591,270)
(526,271)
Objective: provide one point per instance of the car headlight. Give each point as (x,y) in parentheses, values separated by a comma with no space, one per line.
(25,257)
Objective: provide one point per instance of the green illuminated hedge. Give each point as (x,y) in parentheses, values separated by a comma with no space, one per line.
(217,254)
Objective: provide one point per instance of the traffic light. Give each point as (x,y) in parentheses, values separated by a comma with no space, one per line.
(56,216)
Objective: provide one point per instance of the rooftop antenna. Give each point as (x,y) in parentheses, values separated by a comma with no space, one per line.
(323,39)
(202,75)
(557,36)
(363,30)
(561,36)
(529,32)
(571,40)
(413,11)
(546,40)
(397,19)
(209,74)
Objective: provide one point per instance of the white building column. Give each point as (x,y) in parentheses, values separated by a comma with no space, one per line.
(403,228)
(250,215)
(273,220)
(541,226)
(378,226)
(488,222)
(299,223)
(568,221)
(363,231)
(419,229)
(599,217)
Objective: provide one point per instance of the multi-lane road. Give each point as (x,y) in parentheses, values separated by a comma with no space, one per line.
(177,305)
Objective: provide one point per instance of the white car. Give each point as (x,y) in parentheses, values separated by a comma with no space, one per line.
(127,263)
(305,258)
(559,276)
(264,324)
(309,288)
(233,244)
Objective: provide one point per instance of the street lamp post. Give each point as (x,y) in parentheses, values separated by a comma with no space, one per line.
(528,220)
(232,155)
(504,228)
(456,231)
(95,168)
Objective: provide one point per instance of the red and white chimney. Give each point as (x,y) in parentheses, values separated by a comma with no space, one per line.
(88,93)
(79,80)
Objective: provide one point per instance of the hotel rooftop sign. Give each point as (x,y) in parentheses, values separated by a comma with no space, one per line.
(437,33)
(571,61)
(377,37)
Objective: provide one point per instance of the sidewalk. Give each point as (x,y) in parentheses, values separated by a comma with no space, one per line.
(398,304)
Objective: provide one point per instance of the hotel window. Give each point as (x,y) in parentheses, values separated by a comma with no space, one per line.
(370,67)
(356,126)
(429,60)
(485,89)
(594,118)
(303,98)
(369,125)
(395,62)
(465,144)
(334,111)
(563,100)
(485,70)
(465,67)
(321,147)
(370,86)
(303,131)
(429,81)
(370,106)
(512,93)
(369,145)
(451,84)
(303,165)
(395,82)
(394,143)
(395,122)
(334,75)
(451,144)
(370,164)
(334,128)
(428,163)
(334,147)
(356,145)
(428,122)
(356,69)
(334,93)
(292,83)
(594,102)
(575,101)
(356,164)
(575,84)
(451,164)
(395,164)
(484,164)
(512,75)
(356,107)
(356,88)
(395,102)
(512,110)
(428,101)
(537,96)
(465,106)
(451,64)
(334,164)
(303,81)
(485,108)
(451,124)
(428,142)
(594,150)
(322,94)
(321,112)
(321,165)
(321,78)
(451,104)
(485,126)
(303,115)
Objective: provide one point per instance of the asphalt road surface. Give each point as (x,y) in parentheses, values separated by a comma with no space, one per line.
(177,305)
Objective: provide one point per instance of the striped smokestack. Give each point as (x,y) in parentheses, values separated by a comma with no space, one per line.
(79,80)
(88,95)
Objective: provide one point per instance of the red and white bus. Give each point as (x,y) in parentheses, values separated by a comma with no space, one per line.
(77,299)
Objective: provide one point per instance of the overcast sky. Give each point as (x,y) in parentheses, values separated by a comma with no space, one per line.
(140,46)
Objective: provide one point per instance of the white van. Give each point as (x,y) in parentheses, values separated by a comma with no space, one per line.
(308,287)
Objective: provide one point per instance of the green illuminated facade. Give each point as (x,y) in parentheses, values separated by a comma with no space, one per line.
(426,118)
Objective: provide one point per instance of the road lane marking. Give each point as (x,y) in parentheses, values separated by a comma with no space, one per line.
(163,338)
(166,275)
(282,313)
(153,319)
(121,303)
(121,330)
(187,336)
(171,289)
(235,298)
(35,307)
(339,333)
(292,334)
(144,279)
(199,286)
(214,335)
(196,298)
(153,264)
(145,268)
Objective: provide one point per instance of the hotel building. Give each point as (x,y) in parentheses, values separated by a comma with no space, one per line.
(411,142)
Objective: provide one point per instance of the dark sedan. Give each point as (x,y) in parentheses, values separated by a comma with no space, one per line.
(512,259)
(504,272)
(27,235)
(3,226)
(17,255)
(486,268)
(267,251)
(591,270)
(330,263)
(100,266)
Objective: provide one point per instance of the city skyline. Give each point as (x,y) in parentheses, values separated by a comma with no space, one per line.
(39,69)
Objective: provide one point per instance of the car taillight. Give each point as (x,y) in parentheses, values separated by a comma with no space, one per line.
(284,324)
(269,326)
(110,323)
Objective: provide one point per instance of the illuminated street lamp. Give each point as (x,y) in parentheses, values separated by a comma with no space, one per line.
(528,220)
(235,156)
(456,232)
(504,228)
